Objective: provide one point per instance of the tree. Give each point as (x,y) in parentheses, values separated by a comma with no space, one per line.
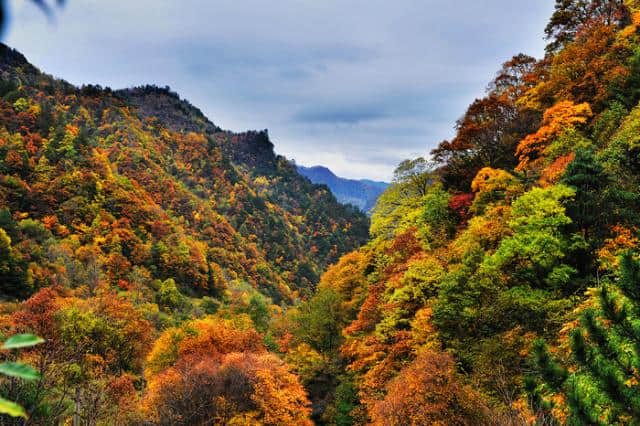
(428,391)
(534,150)
(534,254)
(12,269)
(516,76)
(588,208)
(414,175)
(600,385)
(494,187)
(597,67)
(489,132)
(401,202)
(319,322)
(570,16)
(487,136)
(239,388)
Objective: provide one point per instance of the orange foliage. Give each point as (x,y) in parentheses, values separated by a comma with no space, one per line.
(428,392)
(558,119)
(213,337)
(201,389)
(623,239)
(586,70)
(554,171)
(220,337)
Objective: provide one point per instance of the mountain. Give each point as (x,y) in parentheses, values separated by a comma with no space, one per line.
(129,220)
(192,202)
(182,274)
(501,281)
(361,193)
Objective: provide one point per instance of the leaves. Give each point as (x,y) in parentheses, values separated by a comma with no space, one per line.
(16,369)
(22,341)
(11,408)
(561,118)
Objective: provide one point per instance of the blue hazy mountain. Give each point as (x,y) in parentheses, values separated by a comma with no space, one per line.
(361,193)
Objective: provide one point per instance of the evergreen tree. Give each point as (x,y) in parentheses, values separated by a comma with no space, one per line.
(587,209)
(601,386)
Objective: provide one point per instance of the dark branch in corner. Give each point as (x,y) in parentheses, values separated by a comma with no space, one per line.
(45,6)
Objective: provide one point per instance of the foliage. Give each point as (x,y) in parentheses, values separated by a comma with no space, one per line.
(570,16)
(490,130)
(562,117)
(217,369)
(396,207)
(14,369)
(601,384)
(181,274)
(427,392)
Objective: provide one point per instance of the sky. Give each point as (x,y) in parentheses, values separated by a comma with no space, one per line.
(354,85)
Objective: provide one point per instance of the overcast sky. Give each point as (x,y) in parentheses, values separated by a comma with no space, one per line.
(355,85)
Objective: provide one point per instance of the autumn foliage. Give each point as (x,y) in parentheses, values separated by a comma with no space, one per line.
(533,151)
(428,392)
(215,371)
(182,274)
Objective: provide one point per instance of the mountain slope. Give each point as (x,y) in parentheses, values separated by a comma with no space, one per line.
(360,193)
(142,242)
(194,203)
(501,285)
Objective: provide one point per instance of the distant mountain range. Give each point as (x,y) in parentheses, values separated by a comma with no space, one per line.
(361,193)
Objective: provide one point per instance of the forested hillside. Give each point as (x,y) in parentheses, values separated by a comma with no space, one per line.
(500,284)
(184,275)
(149,248)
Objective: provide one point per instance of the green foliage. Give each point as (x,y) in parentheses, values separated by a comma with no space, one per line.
(169,296)
(399,206)
(436,215)
(319,321)
(588,179)
(21,341)
(12,268)
(534,253)
(344,404)
(419,284)
(18,370)
(608,122)
(258,311)
(603,387)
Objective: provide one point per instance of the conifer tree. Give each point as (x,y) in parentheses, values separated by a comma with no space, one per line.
(600,385)
(587,209)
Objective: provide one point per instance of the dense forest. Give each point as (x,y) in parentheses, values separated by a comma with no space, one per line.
(131,227)
(180,274)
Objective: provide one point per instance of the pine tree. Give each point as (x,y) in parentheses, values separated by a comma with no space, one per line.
(603,386)
(587,210)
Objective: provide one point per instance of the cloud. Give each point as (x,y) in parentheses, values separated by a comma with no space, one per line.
(355,85)
(339,114)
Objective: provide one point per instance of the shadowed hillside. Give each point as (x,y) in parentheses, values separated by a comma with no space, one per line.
(360,193)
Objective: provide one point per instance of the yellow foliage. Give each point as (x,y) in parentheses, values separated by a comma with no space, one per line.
(492,186)
(305,361)
(424,332)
